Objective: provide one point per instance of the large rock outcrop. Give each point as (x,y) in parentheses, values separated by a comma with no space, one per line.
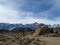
(41,30)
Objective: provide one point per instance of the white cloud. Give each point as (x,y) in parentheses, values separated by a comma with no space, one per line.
(13,16)
(29,20)
(9,15)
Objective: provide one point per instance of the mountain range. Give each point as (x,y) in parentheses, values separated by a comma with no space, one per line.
(8,26)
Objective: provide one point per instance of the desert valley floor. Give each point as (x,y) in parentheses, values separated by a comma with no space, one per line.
(16,39)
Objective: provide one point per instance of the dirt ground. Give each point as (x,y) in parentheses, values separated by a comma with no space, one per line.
(14,39)
(51,40)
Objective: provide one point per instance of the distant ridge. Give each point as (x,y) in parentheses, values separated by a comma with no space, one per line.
(8,26)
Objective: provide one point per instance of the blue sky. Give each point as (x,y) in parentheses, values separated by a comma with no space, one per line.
(30,11)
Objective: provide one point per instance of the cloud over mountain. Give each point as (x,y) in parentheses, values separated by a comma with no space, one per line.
(29,11)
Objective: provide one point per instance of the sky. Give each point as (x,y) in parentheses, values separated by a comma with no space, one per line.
(30,11)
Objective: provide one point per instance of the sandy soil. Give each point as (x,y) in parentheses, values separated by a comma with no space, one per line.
(14,39)
(51,40)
